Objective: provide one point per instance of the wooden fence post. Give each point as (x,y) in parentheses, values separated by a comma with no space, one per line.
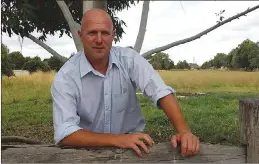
(249,128)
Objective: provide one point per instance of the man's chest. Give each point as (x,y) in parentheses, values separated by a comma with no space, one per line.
(113,93)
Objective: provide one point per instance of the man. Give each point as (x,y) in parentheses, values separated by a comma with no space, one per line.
(94,94)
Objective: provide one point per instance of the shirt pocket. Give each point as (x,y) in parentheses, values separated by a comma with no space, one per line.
(120,102)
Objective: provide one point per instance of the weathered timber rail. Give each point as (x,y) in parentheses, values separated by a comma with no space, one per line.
(159,153)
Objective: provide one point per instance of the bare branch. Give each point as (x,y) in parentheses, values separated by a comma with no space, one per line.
(89,4)
(176,43)
(142,27)
(182,7)
(46,47)
(74,27)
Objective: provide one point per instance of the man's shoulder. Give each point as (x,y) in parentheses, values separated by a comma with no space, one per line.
(127,55)
(126,52)
(70,67)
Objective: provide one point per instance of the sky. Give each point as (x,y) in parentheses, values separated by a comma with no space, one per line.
(169,21)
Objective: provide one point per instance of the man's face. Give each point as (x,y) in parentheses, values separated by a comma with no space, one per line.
(97,36)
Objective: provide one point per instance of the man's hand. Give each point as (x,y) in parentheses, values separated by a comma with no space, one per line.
(134,141)
(190,144)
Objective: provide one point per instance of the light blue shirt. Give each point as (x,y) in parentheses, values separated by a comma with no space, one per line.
(86,99)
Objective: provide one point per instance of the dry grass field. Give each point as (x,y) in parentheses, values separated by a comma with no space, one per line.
(27,104)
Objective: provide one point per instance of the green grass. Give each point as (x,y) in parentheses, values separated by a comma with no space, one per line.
(214,117)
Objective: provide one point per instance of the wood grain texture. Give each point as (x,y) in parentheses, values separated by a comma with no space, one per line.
(159,153)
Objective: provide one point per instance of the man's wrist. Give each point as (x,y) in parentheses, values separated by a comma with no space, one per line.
(114,139)
(184,131)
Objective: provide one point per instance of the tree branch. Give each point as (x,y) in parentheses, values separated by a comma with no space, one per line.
(142,27)
(90,4)
(176,43)
(46,47)
(74,26)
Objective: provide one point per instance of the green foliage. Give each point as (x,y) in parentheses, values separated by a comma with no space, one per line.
(206,65)
(4,49)
(244,56)
(17,59)
(36,65)
(160,61)
(6,66)
(219,60)
(46,17)
(54,63)
(228,59)
(182,65)
(36,58)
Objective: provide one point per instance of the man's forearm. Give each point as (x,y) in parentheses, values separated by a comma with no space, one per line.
(173,111)
(87,138)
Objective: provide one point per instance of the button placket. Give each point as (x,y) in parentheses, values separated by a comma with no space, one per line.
(107,104)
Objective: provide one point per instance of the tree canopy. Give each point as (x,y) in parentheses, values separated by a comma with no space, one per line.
(24,16)
(245,55)
(6,65)
(160,61)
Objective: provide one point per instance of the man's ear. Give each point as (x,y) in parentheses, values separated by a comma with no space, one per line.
(114,34)
(79,33)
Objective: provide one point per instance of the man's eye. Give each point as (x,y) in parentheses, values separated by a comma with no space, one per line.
(91,33)
(106,33)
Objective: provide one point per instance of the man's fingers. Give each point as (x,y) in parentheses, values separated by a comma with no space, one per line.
(184,144)
(190,142)
(136,149)
(194,144)
(148,139)
(142,145)
(174,141)
(197,149)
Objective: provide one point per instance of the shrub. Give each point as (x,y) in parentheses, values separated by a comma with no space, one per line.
(36,65)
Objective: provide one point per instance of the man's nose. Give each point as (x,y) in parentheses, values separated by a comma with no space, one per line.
(99,38)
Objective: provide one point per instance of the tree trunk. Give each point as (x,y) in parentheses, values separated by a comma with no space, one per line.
(46,47)
(74,26)
(159,49)
(142,27)
(87,5)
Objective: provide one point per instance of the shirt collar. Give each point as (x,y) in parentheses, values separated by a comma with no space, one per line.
(86,67)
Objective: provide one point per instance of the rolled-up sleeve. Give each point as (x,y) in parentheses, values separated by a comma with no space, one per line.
(148,80)
(65,118)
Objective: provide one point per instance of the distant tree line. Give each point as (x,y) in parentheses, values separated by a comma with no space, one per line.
(16,61)
(161,61)
(244,56)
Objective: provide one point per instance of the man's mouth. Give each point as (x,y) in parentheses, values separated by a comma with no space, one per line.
(98,48)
